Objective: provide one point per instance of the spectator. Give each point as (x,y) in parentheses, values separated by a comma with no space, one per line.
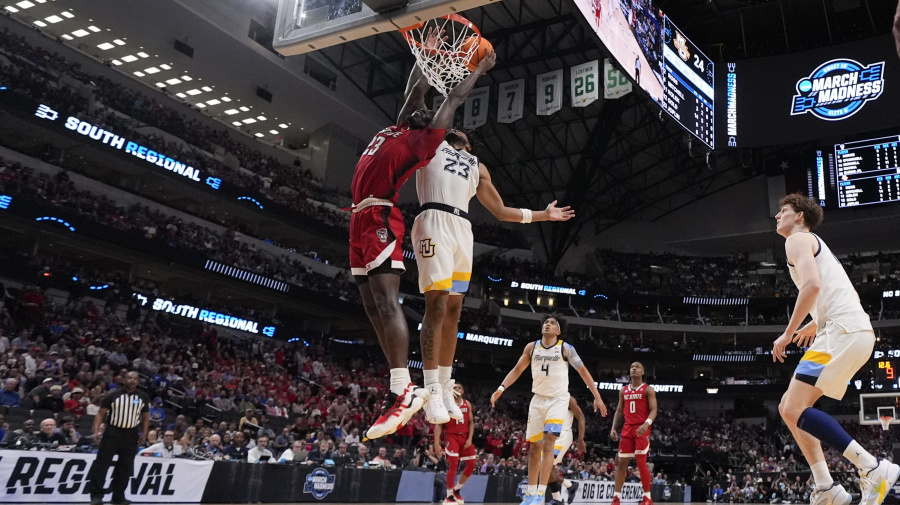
(342,457)
(237,451)
(248,418)
(489,467)
(166,448)
(53,402)
(261,453)
(283,441)
(76,402)
(26,434)
(320,454)
(9,396)
(48,435)
(353,438)
(362,455)
(297,452)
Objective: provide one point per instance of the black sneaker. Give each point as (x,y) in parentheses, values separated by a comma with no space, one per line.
(571,492)
(97,501)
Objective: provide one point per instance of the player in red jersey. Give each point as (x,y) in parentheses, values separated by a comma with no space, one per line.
(376,228)
(459,445)
(637,403)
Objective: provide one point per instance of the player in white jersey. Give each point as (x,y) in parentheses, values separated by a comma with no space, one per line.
(549,359)
(442,239)
(840,340)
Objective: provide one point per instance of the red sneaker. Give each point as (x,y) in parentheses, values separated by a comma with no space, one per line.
(459,498)
(398,414)
(616,501)
(646,501)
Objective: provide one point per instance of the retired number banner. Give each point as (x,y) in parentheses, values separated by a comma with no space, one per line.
(549,92)
(60,477)
(511,101)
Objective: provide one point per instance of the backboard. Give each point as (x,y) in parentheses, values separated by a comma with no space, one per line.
(874,406)
(303,26)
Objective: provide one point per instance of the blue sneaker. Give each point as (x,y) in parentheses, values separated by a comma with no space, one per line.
(537,499)
(526,499)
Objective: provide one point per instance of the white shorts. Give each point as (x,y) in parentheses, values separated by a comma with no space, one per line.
(444,246)
(546,414)
(834,358)
(562,446)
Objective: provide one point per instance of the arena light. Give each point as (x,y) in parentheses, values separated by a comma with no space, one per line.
(172,82)
(12,9)
(129,58)
(40,24)
(165,67)
(206,88)
(259,135)
(81,33)
(53,19)
(67,37)
(261,118)
(273,132)
(186,78)
(116,62)
(712,391)
(283,126)
(238,123)
(67,14)
(25,4)
(151,70)
(231,112)
(106,46)
(245,109)
(119,42)
(226,99)
(93,28)
(213,102)
(160,85)
(251,199)
(143,54)
(56,220)
(139,74)
(181,95)
(193,92)
(249,120)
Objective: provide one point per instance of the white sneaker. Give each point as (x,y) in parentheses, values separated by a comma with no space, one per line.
(450,403)
(435,411)
(876,484)
(397,414)
(835,495)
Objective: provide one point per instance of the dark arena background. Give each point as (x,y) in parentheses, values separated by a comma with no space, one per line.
(173,179)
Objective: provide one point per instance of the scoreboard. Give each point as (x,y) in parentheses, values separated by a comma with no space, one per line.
(689,84)
(868,171)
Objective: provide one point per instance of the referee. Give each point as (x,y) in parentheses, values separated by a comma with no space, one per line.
(127,408)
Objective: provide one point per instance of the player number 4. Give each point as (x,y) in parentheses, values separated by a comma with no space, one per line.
(545,368)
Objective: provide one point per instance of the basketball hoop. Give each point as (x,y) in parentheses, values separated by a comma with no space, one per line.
(885,422)
(445,65)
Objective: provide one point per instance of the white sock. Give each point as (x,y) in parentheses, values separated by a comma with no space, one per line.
(618,493)
(458,486)
(541,490)
(859,457)
(444,374)
(431,378)
(821,475)
(399,380)
(647,494)
(566,483)
(557,496)
(532,489)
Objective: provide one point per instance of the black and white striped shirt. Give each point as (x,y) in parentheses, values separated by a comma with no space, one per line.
(126,410)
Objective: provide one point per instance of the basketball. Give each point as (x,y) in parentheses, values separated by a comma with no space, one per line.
(484,48)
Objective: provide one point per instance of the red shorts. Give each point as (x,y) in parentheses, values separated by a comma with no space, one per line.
(631,444)
(456,446)
(376,237)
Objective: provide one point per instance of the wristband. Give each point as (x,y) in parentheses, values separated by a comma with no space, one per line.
(526,216)
(501,388)
(649,421)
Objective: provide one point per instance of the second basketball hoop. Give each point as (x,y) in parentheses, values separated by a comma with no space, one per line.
(446,60)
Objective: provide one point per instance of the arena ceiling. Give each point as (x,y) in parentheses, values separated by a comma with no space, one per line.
(613,161)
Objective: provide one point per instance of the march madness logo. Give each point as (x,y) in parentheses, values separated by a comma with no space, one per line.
(319,483)
(838,89)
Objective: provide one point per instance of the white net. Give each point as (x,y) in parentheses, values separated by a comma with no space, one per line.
(444,60)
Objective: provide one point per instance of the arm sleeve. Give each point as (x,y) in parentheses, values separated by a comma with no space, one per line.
(424,142)
(574,358)
(146,408)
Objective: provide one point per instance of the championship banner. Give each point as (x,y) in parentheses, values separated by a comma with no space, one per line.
(549,92)
(584,83)
(617,83)
(600,491)
(476,107)
(511,101)
(60,477)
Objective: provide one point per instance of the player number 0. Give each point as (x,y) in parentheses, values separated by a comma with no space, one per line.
(632,407)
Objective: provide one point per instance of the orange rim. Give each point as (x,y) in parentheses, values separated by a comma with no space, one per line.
(407,32)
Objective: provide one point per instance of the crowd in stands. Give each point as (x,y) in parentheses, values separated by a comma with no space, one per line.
(141,221)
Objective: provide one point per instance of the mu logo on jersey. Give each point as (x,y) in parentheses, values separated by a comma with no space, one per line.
(837,89)
(426,248)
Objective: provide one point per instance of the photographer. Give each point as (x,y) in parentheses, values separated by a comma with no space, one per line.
(425,459)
